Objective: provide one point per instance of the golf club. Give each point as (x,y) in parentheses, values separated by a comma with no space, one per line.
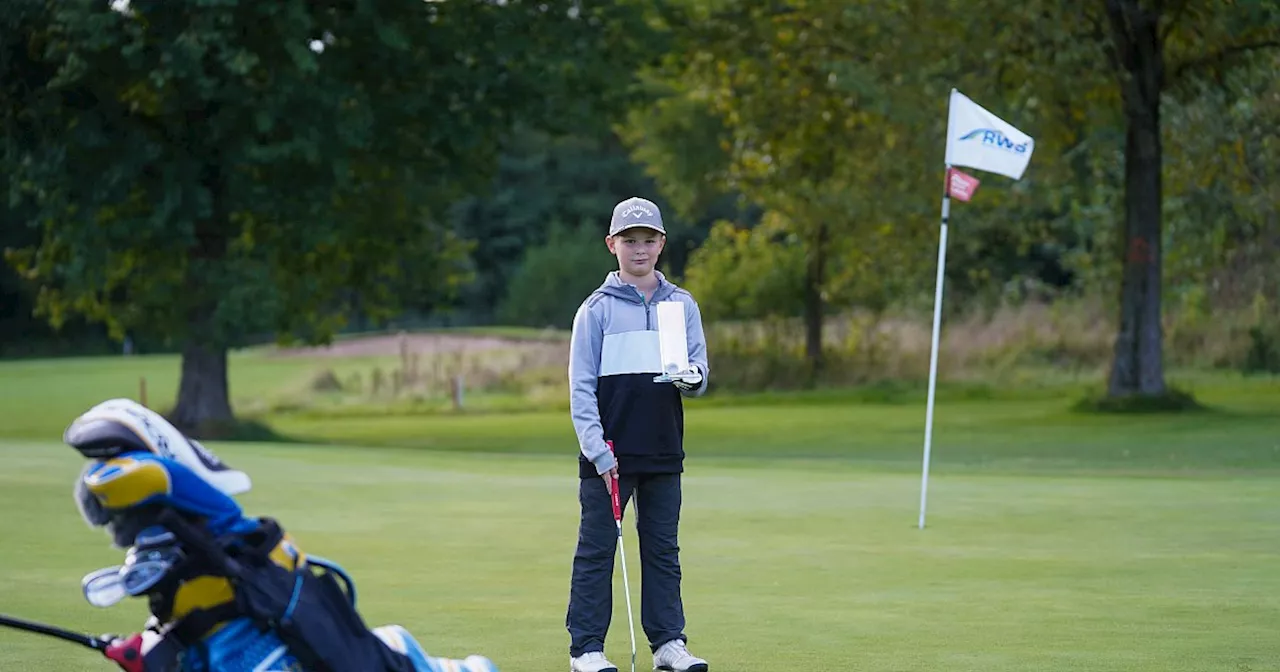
(95,643)
(626,586)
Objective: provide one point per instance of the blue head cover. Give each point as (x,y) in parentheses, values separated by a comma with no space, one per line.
(123,492)
(136,480)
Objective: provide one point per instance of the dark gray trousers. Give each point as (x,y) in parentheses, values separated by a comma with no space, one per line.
(657,510)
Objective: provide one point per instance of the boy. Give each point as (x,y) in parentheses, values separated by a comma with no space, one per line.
(613,359)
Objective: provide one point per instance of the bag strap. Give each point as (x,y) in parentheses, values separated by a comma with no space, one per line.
(194,626)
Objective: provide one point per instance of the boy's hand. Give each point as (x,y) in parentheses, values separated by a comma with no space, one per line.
(688,380)
(608,477)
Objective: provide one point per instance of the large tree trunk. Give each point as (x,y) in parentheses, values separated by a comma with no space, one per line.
(204,400)
(1137,367)
(815,273)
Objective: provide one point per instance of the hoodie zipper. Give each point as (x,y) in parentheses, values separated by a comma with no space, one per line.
(646,307)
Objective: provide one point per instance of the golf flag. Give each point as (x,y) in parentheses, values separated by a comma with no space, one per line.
(975,139)
(979,139)
(961,185)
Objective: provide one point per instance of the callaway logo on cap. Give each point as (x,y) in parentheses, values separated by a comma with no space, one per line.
(636,212)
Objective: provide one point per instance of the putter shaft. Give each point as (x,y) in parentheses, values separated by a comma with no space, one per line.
(626,584)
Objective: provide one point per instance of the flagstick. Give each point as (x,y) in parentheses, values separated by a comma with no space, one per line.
(933,355)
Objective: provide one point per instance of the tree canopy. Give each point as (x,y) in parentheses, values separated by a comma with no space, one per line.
(832,115)
(214,170)
(209,174)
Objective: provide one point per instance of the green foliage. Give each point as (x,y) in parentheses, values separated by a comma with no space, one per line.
(574,179)
(747,274)
(411,164)
(1119,64)
(787,106)
(683,144)
(199,172)
(1263,355)
(825,114)
(556,276)
(1223,194)
(808,112)
(206,173)
(1264,349)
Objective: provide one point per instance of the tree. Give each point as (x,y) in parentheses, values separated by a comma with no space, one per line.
(1114,63)
(1222,190)
(1152,47)
(796,97)
(556,276)
(1076,71)
(744,273)
(574,180)
(830,114)
(206,172)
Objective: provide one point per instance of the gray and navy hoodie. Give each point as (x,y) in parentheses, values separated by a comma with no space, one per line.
(613,359)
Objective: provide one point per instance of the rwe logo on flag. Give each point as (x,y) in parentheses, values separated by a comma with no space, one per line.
(978,139)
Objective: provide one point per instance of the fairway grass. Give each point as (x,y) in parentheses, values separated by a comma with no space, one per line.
(1056,540)
(1026,429)
(788,565)
(1036,436)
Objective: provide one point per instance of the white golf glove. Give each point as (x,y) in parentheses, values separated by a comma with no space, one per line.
(688,380)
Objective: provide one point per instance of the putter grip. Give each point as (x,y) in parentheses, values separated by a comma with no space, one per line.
(613,491)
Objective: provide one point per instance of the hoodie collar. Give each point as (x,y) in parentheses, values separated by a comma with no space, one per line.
(614,286)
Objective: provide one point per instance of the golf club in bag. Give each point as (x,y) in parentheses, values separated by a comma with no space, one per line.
(95,643)
(626,585)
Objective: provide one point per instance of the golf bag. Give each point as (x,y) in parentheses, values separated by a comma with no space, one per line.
(227,592)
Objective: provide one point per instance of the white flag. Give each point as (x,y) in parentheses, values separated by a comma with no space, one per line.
(978,139)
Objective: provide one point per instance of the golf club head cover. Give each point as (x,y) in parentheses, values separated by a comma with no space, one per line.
(126,492)
(119,426)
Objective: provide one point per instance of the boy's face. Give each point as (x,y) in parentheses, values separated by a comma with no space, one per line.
(637,250)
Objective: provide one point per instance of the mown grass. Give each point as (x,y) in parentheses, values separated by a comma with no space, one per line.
(787,565)
(1057,540)
(1016,425)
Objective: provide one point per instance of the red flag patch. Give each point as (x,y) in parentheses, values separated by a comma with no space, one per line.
(960,185)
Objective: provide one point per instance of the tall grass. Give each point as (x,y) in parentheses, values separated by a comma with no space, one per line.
(1073,338)
(422,379)
(1041,343)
